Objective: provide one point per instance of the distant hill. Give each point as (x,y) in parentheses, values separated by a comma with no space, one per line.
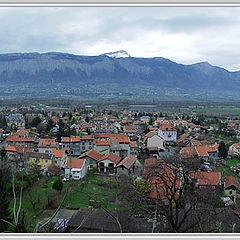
(111,73)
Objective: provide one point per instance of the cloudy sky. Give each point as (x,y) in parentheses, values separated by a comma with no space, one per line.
(183,34)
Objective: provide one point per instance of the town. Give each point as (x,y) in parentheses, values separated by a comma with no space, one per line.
(93,170)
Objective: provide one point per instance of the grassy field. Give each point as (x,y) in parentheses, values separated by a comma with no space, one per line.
(225,171)
(80,192)
(219,110)
(233,162)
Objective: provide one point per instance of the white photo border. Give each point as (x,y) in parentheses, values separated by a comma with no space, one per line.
(119,3)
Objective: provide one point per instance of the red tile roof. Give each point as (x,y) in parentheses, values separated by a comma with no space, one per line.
(207,178)
(133,144)
(19,137)
(47,142)
(187,152)
(120,137)
(99,142)
(167,127)
(76,138)
(112,157)
(76,163)
(205,149)
(163,187)
(129,127)
(17,148)
(92,154)
(127,162)
(150,162)
(230,181)
(59,153)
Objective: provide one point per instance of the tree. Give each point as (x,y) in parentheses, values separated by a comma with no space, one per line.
(173,196)
(50,125)
(87,119)
(58,185)
(3,123)
(41,128)
(60,132)
(141,186)
(5,190)
(35,122)
(222,150)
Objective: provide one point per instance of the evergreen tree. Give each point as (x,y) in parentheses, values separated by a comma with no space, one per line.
(60,132)
(222,150)
(58,185)
(35,122)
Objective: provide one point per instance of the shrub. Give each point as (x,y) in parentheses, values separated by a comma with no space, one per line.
(58,185)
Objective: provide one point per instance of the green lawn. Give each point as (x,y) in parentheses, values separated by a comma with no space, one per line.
(225,171)
(233,162)
(79,195)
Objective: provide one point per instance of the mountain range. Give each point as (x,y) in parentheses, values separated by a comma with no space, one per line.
(111,74)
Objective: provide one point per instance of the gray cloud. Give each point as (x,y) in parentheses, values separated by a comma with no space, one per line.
(185,35)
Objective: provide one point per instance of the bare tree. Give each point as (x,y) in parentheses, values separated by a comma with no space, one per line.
(175,196)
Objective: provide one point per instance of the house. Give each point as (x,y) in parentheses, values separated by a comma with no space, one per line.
(15,154)
(127,165)
(235,148)
(151,163)
(40,159)
(60,157)
(129,130)
(182,140)
(21,139)
(122,150)
(76,145)
(92,157)
(145,119)
(210,180)
(102,146)
(15,121)
(230,187)
(133,148)
(155,142)
(195,128)
(46,145)
(75,168)
(53,170)
(193,143)
(167,133)
(108,163)
(94,220)
(188,152)
(208,152)
(116,143)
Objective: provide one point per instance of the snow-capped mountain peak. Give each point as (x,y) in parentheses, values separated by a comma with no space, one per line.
(117,54)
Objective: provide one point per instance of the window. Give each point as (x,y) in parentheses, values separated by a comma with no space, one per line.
(46,161)
(230,192)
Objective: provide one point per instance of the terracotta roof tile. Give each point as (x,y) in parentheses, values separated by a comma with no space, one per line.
(207,178)
(127,162)
(59,153)
(230,181)
(113,157)
(76,163)
(93,154)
